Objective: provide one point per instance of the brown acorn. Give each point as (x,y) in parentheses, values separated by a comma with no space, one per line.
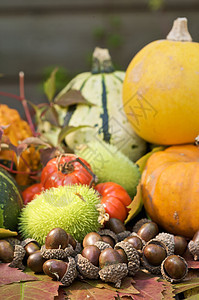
(19,254)
(139,223)
(174,268)
(180,245)
(115,225)
(85,268)
(6,251)
(35,262)
(91,238)
(108,257)
(30,246)
(92,253)
(148,231)
(108,236)
(57,238)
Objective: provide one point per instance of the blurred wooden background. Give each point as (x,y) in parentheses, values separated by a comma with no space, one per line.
(35,35)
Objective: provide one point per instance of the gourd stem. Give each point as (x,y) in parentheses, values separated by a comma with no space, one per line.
(101,61)
(179,31)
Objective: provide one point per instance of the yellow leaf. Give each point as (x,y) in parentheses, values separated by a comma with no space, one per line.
(4,233)
(143,160)
(136,205)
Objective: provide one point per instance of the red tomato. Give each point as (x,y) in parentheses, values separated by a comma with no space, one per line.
(115,199)
(114,208)
(29,193)
(65,171)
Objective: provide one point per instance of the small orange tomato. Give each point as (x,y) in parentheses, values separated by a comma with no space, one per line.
(29,193)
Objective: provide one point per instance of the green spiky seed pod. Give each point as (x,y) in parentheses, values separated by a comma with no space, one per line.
(109,164)
(74,208)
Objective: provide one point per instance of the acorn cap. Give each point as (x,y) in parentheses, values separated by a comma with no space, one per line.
(13,241)
(27,241)
(57,253)
(86,268)
(71,272)
(78,249)
(152,269)
(122,235)
(167,277)
(19,254)
(133,257)
(168,240)
(138,224)
(114,273)
(102,245)
(110,233)
(135,234)
(193,247)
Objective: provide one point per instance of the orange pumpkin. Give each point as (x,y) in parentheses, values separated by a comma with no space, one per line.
(170,189)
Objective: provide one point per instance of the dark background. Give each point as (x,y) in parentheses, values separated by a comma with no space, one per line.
(36,36)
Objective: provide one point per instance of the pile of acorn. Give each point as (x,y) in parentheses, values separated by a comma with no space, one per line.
(110,254)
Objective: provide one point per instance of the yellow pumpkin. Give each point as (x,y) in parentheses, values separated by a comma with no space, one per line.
(161,88)
(170,189)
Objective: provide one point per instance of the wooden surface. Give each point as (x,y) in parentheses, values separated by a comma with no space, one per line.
(37,34)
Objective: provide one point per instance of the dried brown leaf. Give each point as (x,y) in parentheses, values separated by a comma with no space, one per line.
(9,275)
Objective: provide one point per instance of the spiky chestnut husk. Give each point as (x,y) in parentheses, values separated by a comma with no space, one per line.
(168,240)
(193,247)
(19,254)
(122,235)
(133,257)
(102,245)
(116,167)
(139,223)
(153,269)
(71,272)
(166,276)
(86,268)
(75,208)
(110,233)
(57,253)
(114,273)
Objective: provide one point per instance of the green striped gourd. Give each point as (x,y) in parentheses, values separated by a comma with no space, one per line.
(10,201)
(102,87)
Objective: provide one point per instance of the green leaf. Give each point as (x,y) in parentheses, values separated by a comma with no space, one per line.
(186,285)
(69,129)
(72,97)
(5,233)
(50,85)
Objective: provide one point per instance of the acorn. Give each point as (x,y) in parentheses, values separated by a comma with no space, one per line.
(19,254)
(35,262)
(108,236)
(13,241)
(57,253)
(102,245)
(136,241)
(148,231)
(6,251)
(168,239)
(122,235)
(108,257)
(92,253)
(115,225)
(30,246)
(65,272)
(193,246)
(133,257)
(57,238)
(174,268)
(91,238)
(139,223)
(180,245)
(154,252)
(86,268)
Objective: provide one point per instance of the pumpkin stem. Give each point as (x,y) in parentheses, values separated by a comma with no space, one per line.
(179,31)
(101,61)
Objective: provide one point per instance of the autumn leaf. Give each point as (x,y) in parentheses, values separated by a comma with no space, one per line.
(61,294)
(9,275)
(72,97)
(168,292)
(148,286)
(143,160)
(33,290)
(5,233)
(186,285)
(84,291)
(136,205)
(69,129)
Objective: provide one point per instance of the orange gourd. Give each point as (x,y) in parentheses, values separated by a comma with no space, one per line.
(161,88)
(170,189)
(17,131)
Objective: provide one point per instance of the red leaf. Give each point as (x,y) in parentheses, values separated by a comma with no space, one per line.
(148,286)
(9,275)
(192,264)
(33,290)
